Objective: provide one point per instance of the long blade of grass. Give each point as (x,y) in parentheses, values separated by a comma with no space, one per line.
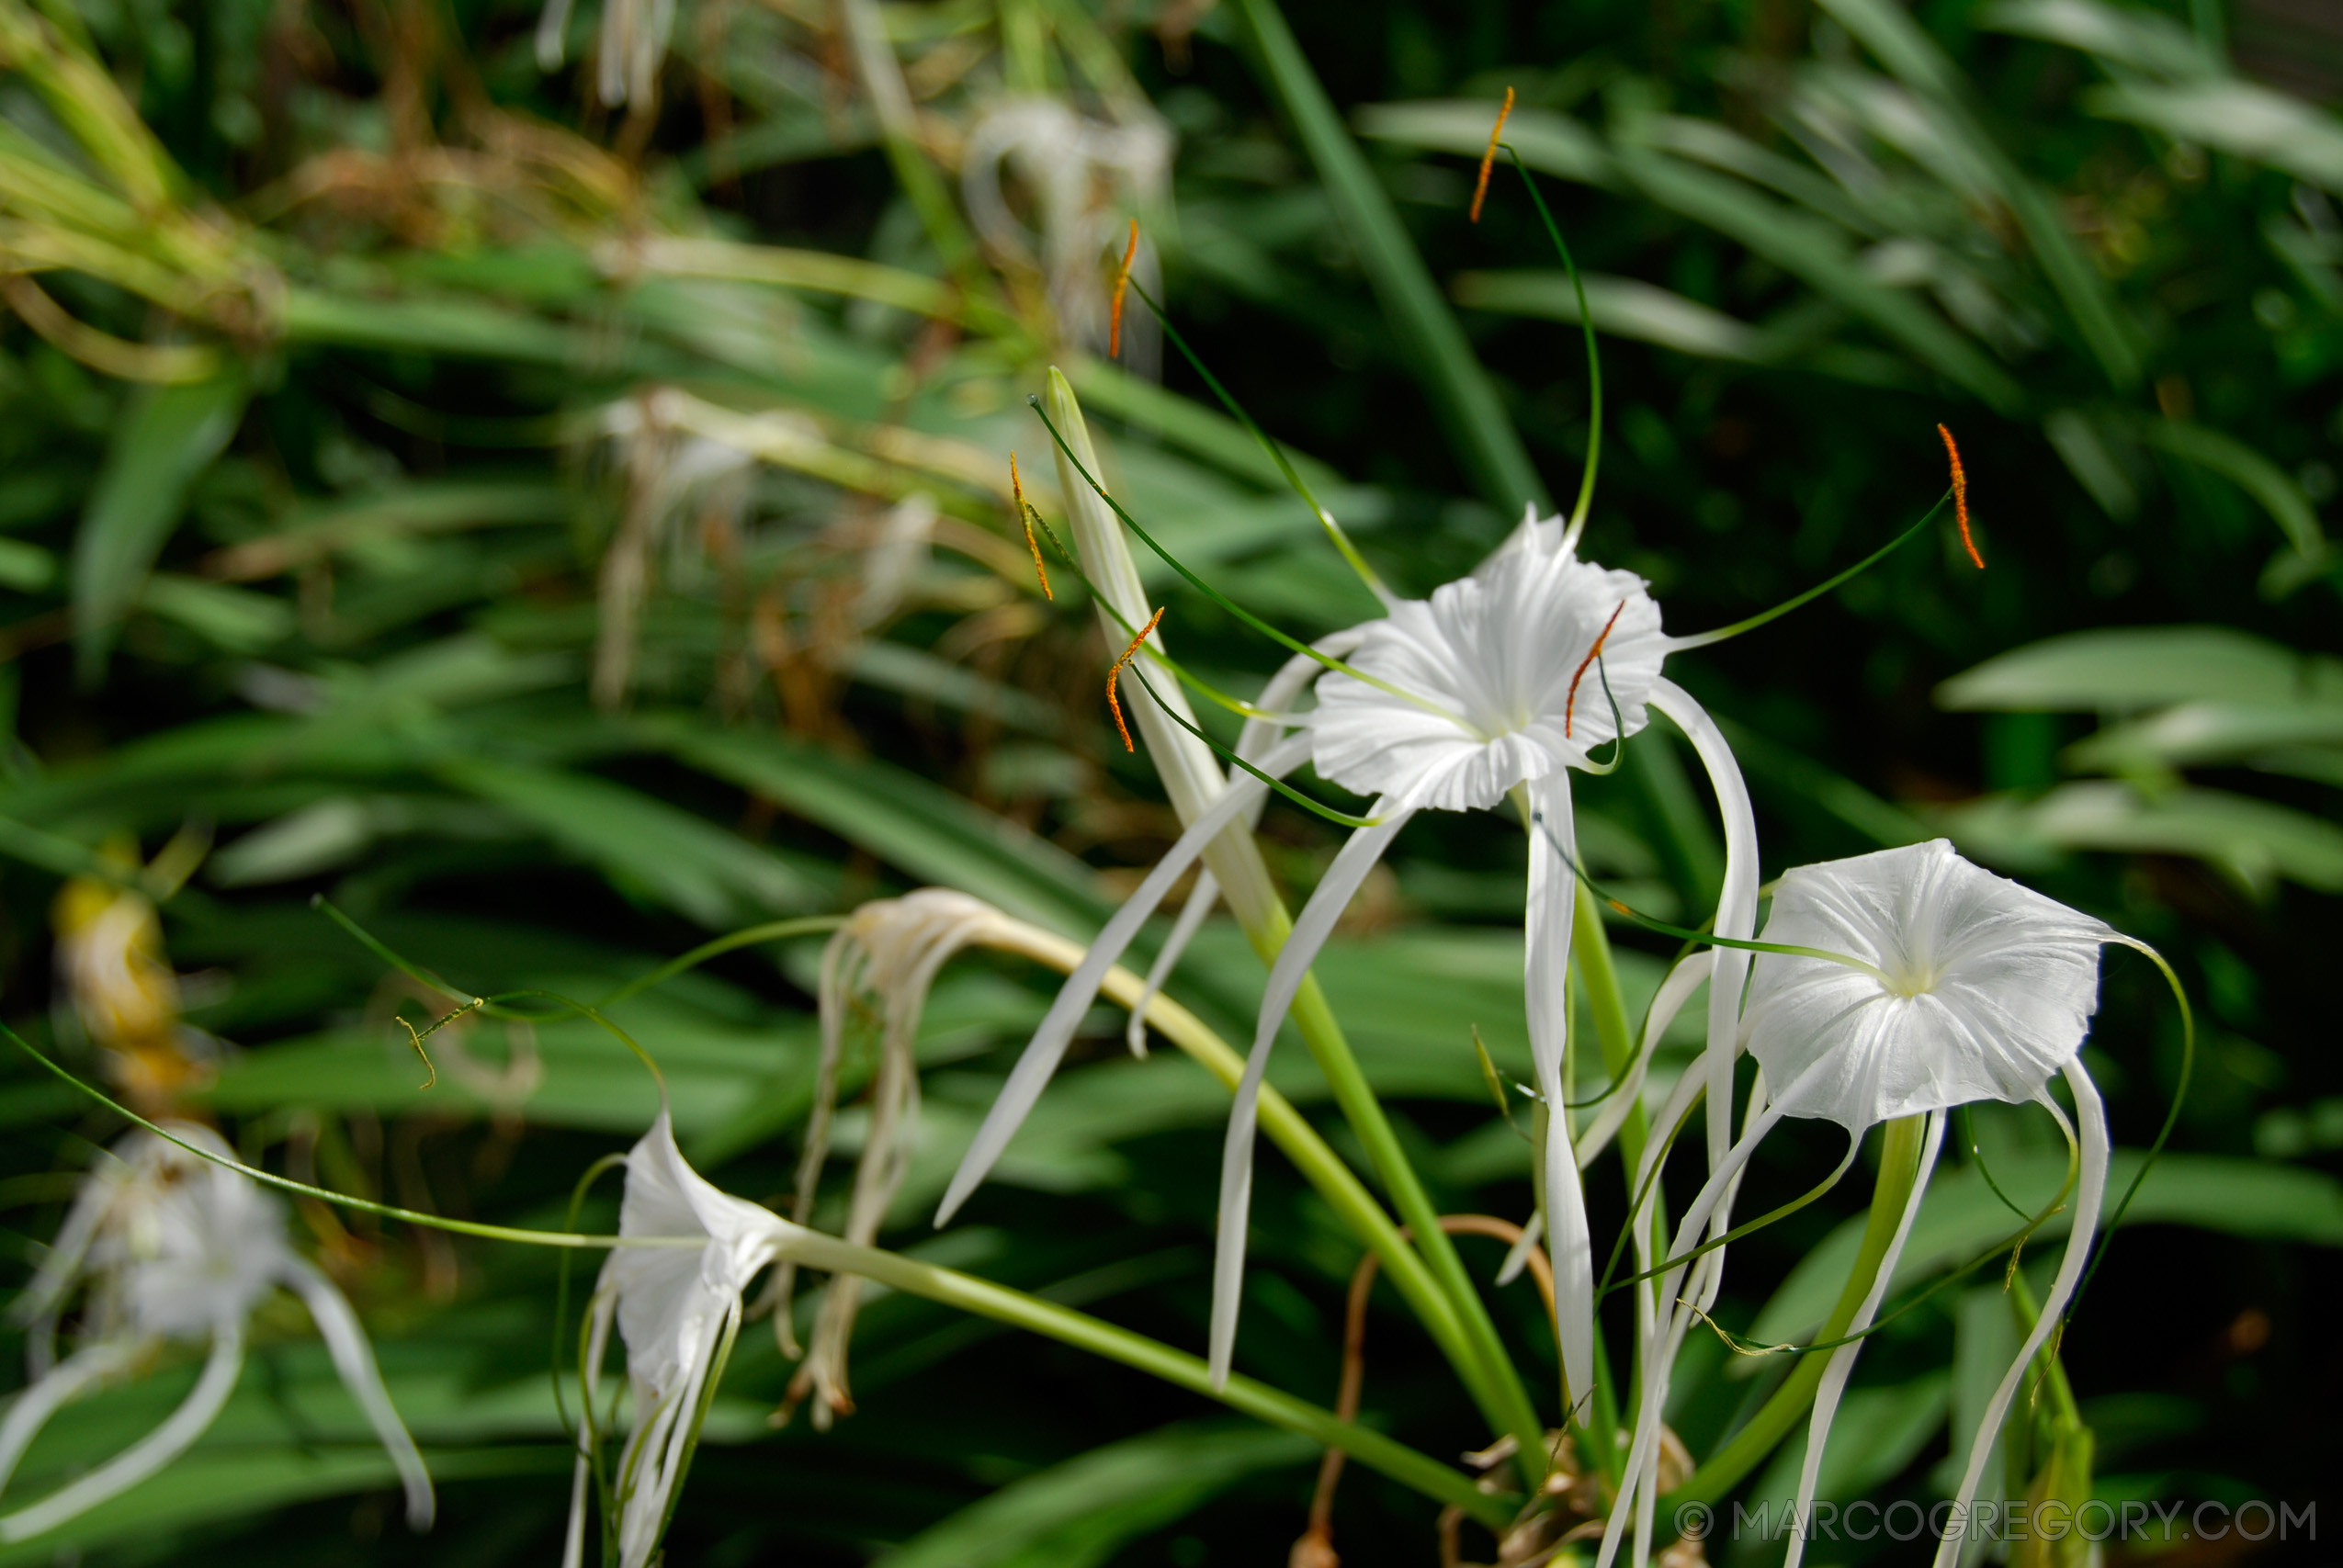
(1463,398)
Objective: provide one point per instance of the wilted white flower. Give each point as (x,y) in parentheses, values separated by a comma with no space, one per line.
(171,1246)
(891,948)
(677,1308)
(1085,179)
(630,49)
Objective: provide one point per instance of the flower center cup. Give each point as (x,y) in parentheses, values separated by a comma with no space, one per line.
(1497,664)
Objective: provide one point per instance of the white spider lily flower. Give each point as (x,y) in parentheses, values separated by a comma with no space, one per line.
(169,1246)
(1492,684)
(1949,984)
(891,948)
(677,1308)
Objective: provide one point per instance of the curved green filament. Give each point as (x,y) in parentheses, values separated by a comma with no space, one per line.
(1707,939)
(365,1206)
(1594,361)
(1769,1217)
(1247,616)
(771,930)
(562,1293)
(1195,683)
(1280,785)
(1276,454)
(1702,639)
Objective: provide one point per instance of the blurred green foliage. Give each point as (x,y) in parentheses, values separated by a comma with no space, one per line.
(562,531)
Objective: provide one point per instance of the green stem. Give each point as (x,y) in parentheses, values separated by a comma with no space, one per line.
(1590,945)
(1401,1463)
(1292,1133)
(1899,1164)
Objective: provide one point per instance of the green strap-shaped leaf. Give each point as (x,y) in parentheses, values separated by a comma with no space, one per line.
(904,820)
(1913,58)
(1463,398)
(168,436)
(704,872)
(1078,1513)
(2247,469)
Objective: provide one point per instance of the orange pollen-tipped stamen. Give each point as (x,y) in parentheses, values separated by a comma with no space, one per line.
(1570,705)
(1961,496)
(1122,282)
(1115,701)
(1489,159)
(1024,515)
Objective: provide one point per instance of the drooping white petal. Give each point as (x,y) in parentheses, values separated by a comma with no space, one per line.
(1201,897)
(354,1361)
(1315,923)
(149,1453)
(1690,973)
(1736,901)
(1546,931)
(1049,1042)
(1986,988)
(1496,656)
(1841,1364)
(2090,1191)
(30,1411)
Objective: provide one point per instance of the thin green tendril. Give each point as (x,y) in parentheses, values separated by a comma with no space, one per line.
(1594,361)
(1247,616)
(1703,639)
(1350,551)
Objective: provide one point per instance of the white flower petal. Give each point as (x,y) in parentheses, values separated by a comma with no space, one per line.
(2089,1192)
(1989,987)
(354,1360)
(30,1411)
(1333,896)
(149,1453)
(1546,930)
(1500,651)
(1047,1047)
(1841,1364)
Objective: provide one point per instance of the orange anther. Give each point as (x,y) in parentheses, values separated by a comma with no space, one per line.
(1116,674)
(1024,515)
(1122,282)
(1961,496)
(1489,159)
(1570,705)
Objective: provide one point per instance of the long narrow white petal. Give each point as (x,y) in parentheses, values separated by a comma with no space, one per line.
(1842,1360)
(149,1453)
(2089,1192)
(1201,898)
(1735,902)
(1315,923)
(1047,1047)
(1517,1256)
(1674,991)
(1660,1345)
(1294,677)
(354,1360)
(36,1405)
(1546,930)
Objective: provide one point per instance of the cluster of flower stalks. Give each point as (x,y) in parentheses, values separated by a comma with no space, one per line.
(1885,990)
